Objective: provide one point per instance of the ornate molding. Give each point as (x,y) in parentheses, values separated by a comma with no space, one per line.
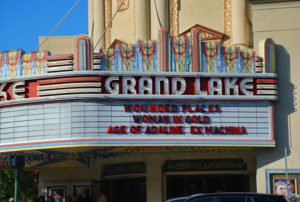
(206,33)
(124,6)
(174,23)
(228,21)
(107,19)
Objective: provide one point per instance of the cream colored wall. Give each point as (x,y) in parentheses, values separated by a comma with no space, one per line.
(155,177)
(140,21)
(137,22)
(162,10)
(58,44)
(281,22)
(207,13)
(96,23)
(57,176)
(133,23)
(241,28)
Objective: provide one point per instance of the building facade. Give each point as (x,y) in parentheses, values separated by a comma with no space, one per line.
(177,98)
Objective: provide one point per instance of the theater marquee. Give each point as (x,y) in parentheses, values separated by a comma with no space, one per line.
(96,122)
(138,86)
(136,109)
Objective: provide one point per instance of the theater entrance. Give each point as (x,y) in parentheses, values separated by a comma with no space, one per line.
(184,185)
(125,189)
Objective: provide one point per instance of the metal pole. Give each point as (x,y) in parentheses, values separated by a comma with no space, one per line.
(286,173)
(16,185)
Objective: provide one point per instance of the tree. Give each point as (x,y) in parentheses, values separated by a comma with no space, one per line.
(28,185)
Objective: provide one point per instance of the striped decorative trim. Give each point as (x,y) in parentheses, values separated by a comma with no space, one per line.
(58,63)
(62,68)
(115,142)
(83,53)
(137,97)
(68,90)
(63,86)
(59,57)
(266,87)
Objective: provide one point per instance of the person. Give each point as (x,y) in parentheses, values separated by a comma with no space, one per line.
(102,197)
(68,198)
(280,188)
(42,199)
(291,185)
(292,190)
(50,199)
(75,197)
(57,197)
(86,197)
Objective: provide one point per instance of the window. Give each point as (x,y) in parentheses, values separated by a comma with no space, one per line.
(232,199)
(204,199)
(261,199)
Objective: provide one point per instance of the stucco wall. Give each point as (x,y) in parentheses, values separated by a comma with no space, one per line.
(65,177)
(57,44)
(281,23)
(133,22)
(206,13)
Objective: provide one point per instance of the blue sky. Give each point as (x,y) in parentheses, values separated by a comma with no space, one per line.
(23,21)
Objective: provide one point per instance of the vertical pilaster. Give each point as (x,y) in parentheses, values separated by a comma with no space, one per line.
(240,25)
(91,18)
(98,18)
(174,22)
(107,20)
(141,19)
(196,45)
(163,54)
(154,180)
(228,21)
(99,171)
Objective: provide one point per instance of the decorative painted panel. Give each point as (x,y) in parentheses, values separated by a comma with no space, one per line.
(170,54)
(147,55)
(17,63)
(210,57)
(126,57)
(34,63)
(217,58)
(139,57)
(12,64)
(180,50)
(108,59)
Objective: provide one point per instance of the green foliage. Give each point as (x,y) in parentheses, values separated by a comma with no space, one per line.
(28,187)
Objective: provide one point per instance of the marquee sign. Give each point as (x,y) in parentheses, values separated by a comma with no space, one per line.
(98,122)
(140,86)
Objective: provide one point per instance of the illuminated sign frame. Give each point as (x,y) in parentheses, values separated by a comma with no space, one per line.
(99,85)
